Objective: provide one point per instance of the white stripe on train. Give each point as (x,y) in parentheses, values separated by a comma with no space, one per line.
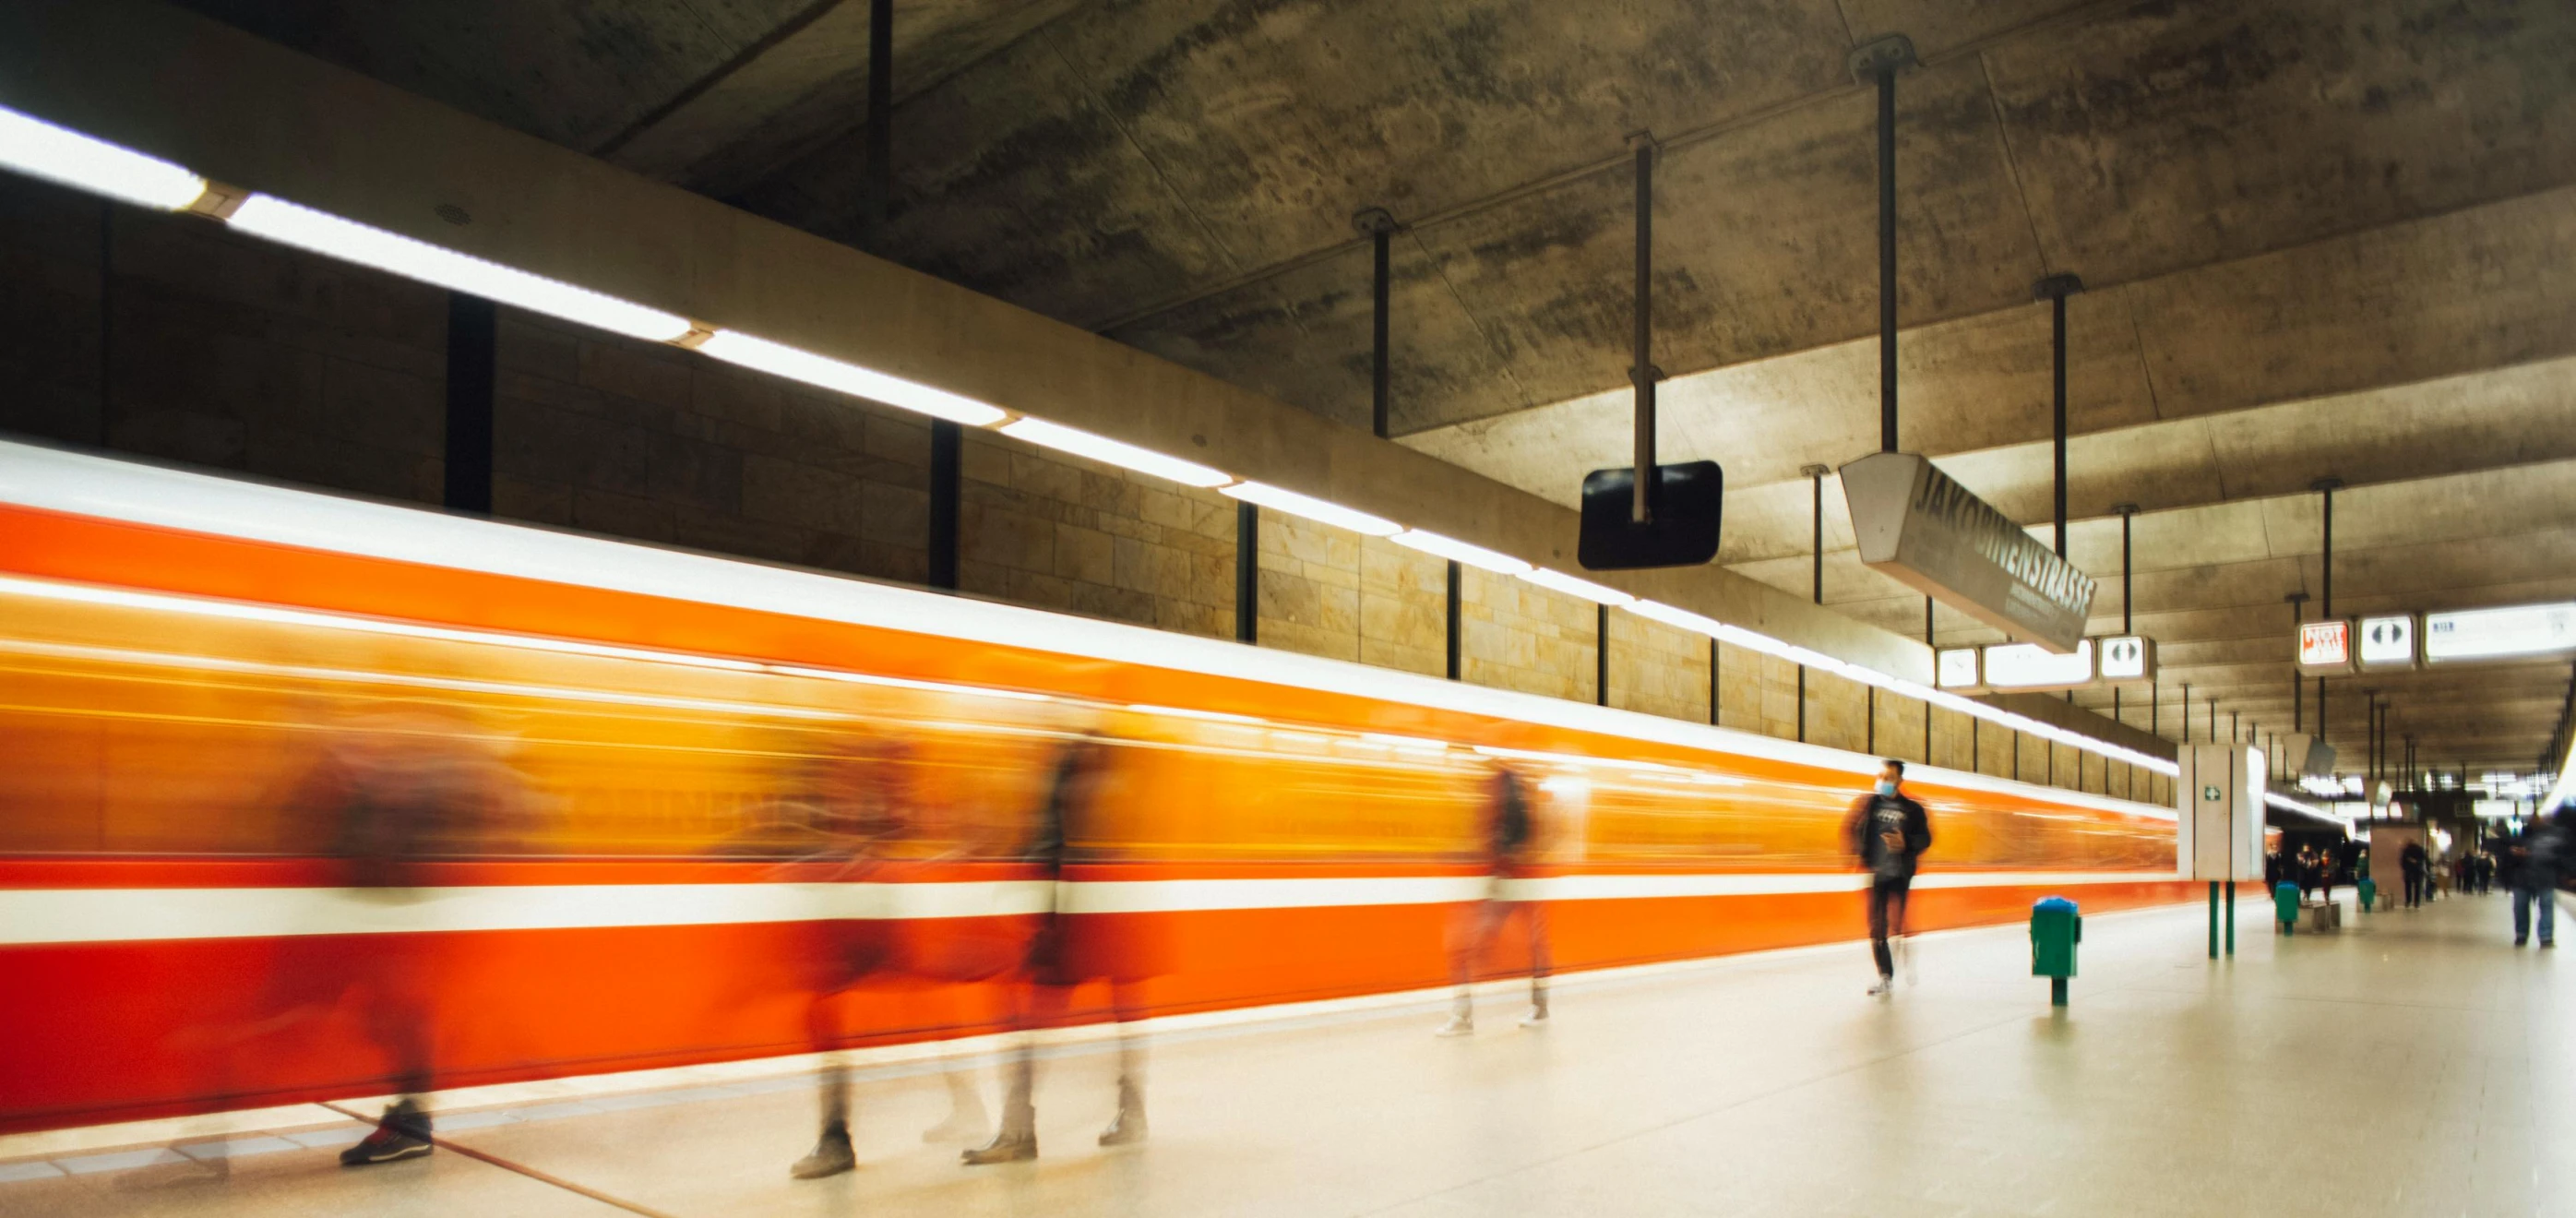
(116,915)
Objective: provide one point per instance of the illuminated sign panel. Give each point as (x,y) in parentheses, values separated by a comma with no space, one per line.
(2325,647)
(2388,642)
(2513,632)
(1956,668)
(2028,666)
(2128,657)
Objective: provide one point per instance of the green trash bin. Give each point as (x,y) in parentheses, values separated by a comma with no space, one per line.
(2055,929)
(2369,892)
(2285,907)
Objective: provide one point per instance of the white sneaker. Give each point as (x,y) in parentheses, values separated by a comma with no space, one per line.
(1537,1018)
(1883,985)
(1458,1025)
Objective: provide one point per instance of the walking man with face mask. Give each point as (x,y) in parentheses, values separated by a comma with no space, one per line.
(1888,833)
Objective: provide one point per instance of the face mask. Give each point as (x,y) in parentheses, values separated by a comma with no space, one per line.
(1885,787)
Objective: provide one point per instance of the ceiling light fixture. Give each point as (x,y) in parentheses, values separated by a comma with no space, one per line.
(1116,452)
(39,148)
(778,359)
(1313,509)
(323,233)
(1458,551)
(1584,588)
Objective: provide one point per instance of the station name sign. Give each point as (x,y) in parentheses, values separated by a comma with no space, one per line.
(1916,525)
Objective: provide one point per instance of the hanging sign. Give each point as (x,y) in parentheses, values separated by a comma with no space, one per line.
(2511,633)
(1955,669)
(2325,648)
(2022,667)
(1917,526)
(2387,642)
(2128,658)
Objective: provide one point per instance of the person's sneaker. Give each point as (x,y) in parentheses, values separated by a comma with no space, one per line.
(1882,986)
(1458,1025)
(1127,1128)
(2519,940)
(1537,1018)
(1006,1147)
(830,1157)
(2549,943)
(403,1133)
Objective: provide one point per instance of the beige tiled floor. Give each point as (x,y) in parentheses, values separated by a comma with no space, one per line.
(2414,1064)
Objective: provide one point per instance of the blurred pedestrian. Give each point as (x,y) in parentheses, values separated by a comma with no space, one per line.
(852,798)
(1506,841)
(1067,950)
(1888,833)
(2539,859)
(2410,860)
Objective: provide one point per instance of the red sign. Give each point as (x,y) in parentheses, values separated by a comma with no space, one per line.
(2325,646)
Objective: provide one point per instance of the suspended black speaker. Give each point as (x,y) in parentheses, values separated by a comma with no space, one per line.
(1680,532)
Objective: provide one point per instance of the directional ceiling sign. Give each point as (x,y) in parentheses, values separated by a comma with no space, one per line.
(2387,642)
(1916,525)
(2027,666)
(2128,658)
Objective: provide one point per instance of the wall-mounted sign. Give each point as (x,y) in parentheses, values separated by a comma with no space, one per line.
(2387,642)
(1955,668)
(2027,666)
(2514,632)
(2128,658)
(2325,648)
(1916,525)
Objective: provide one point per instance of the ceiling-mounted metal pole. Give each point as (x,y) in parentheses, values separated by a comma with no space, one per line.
(2298,612)
(1816,481)
(2055,289)
(1642,370)
(1878,61)
(880,168)
(1379,224)
(2325,597)
(2127,511)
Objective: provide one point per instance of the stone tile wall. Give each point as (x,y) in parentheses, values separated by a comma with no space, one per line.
(171,338)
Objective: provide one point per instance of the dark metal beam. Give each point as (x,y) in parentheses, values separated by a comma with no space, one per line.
(946,441)
(473,342)
(1247,572)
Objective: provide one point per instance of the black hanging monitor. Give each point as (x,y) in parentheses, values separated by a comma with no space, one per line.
(1680,532)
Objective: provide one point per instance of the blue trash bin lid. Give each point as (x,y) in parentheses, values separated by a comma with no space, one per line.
(2052,905)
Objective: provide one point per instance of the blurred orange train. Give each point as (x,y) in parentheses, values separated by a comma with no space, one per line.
(640,754)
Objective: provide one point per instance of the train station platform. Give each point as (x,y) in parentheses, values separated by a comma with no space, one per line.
(2412,1063)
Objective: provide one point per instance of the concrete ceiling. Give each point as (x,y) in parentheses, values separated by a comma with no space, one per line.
(2322,237)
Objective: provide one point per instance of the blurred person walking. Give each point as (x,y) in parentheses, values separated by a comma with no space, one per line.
(1067,950)
(1888,833)
(1508,842)
(2410,860)
(2539,858)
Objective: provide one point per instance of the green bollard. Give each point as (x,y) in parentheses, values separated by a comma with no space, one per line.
(2055,929)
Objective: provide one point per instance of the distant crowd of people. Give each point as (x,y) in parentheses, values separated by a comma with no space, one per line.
(2531,865)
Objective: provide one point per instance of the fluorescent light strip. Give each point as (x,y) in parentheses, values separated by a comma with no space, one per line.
(1558,581)
(1458,551)
(33,146)
(2561,794)
(1115,452)
(323,233)
(2287,804)
(1313,509)
(778,359)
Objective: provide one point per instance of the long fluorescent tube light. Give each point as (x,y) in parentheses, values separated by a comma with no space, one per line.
(1313,509)
(779,359)
(2564,790)
(329,235)
(1115,452)
(39,148)
(1458,551)
(1569,585)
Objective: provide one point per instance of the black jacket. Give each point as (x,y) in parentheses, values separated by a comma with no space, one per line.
(1888,835)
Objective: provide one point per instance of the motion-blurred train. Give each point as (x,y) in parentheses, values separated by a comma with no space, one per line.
(636,755)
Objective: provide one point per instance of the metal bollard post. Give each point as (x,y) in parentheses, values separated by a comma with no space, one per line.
(2055,929)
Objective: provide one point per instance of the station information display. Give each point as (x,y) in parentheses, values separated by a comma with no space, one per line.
(2511,632)
(2028,666)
